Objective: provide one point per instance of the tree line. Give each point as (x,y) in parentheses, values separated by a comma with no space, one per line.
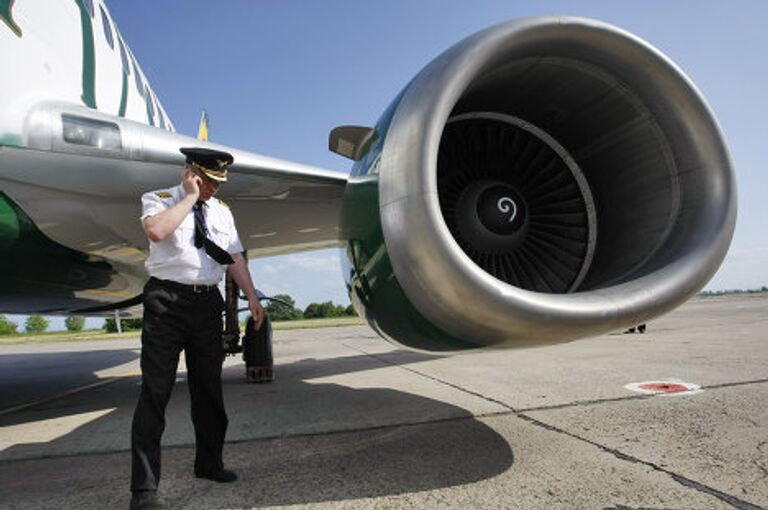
(706,293)
(36,324)
(281,308)
(33,324)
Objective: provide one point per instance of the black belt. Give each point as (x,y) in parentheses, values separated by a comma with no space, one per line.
(184,287)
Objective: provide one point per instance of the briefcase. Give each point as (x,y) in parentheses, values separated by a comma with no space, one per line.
(257,352)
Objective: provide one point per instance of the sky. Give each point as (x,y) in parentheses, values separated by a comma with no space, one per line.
(277,75)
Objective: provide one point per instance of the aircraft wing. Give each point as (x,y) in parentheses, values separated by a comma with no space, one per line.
(75,182)
(104,163)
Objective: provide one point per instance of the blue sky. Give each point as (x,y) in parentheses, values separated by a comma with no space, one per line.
(277,75)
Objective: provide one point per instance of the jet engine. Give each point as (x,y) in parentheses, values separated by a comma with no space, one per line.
(542,180)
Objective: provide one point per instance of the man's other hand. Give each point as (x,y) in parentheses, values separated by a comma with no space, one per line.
(257,312)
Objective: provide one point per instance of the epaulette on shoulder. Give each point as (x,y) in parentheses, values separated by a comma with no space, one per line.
(223,203)
(163,194)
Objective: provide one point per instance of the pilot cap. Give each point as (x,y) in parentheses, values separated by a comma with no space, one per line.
(211,162)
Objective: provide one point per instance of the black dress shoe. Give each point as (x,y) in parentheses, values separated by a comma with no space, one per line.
(220,476)
(145,500)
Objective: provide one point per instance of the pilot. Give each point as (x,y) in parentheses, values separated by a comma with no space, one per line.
(193,240)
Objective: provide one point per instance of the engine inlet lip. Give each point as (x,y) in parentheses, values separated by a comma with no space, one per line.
(565,157)
(441,281)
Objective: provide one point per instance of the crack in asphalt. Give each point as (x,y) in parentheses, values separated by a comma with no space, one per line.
(732,384)
(520,413)
(682,480)
(584,403)
(622,507)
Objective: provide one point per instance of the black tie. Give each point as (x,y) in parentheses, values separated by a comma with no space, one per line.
(202,241)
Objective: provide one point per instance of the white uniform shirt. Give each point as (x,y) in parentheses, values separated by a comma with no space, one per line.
(175,257)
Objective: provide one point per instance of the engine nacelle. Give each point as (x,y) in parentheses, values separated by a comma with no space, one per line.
(542,180)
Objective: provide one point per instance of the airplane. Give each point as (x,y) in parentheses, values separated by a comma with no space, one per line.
(542,180)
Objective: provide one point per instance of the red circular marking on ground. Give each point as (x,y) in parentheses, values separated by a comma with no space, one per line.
(664,387)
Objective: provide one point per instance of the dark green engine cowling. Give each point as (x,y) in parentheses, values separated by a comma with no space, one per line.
(372,285)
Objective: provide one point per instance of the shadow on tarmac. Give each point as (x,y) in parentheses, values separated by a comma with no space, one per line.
(299,470)
(383,462)
(291,442)
(38,376)
(28,377)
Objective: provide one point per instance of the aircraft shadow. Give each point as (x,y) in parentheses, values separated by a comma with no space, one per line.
(43,375)
(365,464)
(294,441)
(29,377)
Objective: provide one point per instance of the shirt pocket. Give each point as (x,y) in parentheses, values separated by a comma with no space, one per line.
(185,233)
(221,236)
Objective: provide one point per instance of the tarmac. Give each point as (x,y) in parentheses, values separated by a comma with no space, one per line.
(354,422)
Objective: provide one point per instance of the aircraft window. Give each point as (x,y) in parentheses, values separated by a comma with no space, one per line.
(89,7)
(91,133)
(107,28)
(124,56)
(162,118)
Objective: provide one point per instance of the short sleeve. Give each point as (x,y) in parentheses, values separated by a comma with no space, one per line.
(151,204)
(235,246)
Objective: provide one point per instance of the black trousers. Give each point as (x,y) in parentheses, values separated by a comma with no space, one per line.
(176,319)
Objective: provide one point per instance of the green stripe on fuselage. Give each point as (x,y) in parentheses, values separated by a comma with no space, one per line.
(6,14)
(150,110)
(124,96)
(11,140)
(89,57)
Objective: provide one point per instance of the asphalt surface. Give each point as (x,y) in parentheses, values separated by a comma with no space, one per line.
(354,422)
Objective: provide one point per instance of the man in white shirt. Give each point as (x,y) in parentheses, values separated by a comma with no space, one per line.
(193,240)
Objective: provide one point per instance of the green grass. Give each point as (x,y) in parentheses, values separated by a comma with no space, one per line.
(100,334)
(330,322)
(63,336)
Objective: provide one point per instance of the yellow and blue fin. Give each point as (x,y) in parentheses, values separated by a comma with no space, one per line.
(202,132)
